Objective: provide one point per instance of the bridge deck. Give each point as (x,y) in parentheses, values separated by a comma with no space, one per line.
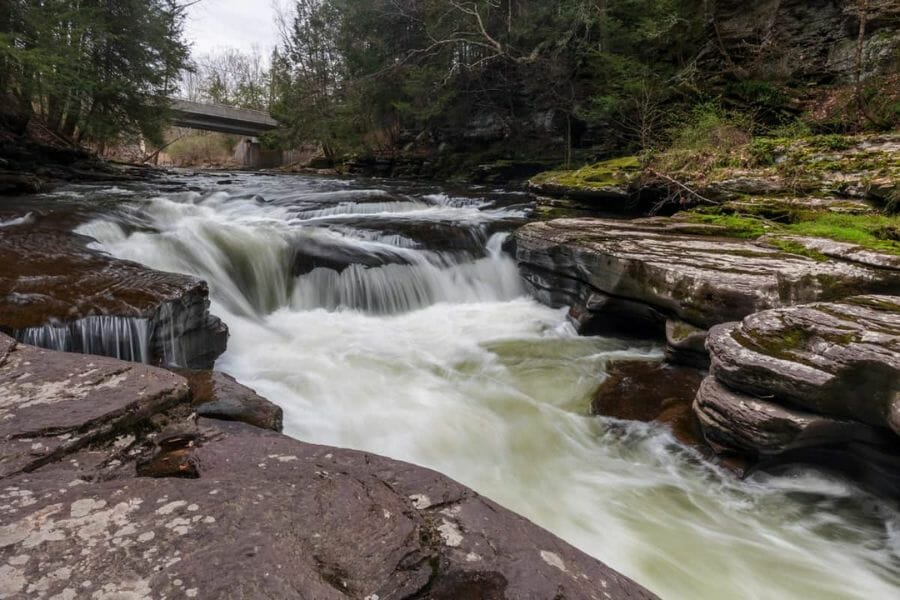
(224,119)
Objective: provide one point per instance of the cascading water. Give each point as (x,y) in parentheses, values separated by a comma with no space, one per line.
(125,338)
(370,337)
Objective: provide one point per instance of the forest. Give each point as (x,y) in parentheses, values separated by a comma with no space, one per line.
(558,80)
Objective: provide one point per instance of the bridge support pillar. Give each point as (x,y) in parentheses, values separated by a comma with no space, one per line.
(249,154)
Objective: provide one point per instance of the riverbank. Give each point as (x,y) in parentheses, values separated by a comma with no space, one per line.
(803,221)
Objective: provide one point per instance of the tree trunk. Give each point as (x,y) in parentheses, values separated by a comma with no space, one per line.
(863,10)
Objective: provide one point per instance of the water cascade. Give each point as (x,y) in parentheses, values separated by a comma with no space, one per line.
(371,337)
(125,338)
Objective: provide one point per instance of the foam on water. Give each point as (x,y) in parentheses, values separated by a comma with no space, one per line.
(26,219)
(447,365)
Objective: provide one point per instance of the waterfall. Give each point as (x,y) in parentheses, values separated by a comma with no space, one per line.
(246,251)
(126,338)
(397,288)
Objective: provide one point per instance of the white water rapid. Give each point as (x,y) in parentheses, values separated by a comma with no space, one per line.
(388,319)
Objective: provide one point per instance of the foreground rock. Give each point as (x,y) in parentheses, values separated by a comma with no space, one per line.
(251,514)
(84,301)
(53,404)
(636,275)
(218,396)
(799,380)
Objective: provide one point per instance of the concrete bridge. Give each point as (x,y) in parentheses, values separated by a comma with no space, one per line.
(224,119)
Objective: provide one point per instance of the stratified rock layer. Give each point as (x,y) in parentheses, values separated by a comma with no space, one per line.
(56,292)
(840,359)
(637,274)
(225,509)
(811,381)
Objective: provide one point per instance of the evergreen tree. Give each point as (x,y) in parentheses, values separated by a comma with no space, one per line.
(92,69)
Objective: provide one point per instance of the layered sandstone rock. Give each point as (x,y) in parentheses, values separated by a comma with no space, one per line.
(112,486)
(56,292)
(638,274)
(807,380)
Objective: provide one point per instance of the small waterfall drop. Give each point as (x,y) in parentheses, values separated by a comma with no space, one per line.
(398,288)
(125,338)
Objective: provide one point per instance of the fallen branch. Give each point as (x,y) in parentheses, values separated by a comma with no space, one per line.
(682,186)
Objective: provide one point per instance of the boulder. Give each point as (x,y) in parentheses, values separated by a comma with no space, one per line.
(665,267)
(840,359)
(817,383)
(735,422)
(56,292)
(639,390)
(219,396)
(151,503)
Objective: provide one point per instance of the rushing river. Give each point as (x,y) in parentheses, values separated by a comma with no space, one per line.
(388,318)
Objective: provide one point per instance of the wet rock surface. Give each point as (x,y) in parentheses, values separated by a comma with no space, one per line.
(259,515)
(840,359)
(218,396)
(54,291)
(647,391)
(659,268)
(811,381)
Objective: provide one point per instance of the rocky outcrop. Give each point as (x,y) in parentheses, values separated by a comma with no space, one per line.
(824,375)
(57,293)
(636,275)
(216,395)
(151,501)
(52,404)
(799,40)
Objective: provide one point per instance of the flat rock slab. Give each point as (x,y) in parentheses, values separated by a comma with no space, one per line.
(53,275)
(263,516)
(52,403)
(840,359)
(53,288)
(700,279)
(273,517)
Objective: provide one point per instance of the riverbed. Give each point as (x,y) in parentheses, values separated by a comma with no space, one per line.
(387,317)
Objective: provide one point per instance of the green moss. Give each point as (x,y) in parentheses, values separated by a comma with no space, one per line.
(872,231)
(783,346)
(881,303)
(617,171)
(832,142)
(792,247)
(862,230)
(737,226)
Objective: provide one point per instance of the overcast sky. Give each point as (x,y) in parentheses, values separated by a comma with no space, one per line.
(241,24)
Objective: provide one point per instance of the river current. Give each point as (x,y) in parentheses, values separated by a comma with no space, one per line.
(386,317)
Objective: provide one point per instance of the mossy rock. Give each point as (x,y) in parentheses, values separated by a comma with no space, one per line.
(611,177)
